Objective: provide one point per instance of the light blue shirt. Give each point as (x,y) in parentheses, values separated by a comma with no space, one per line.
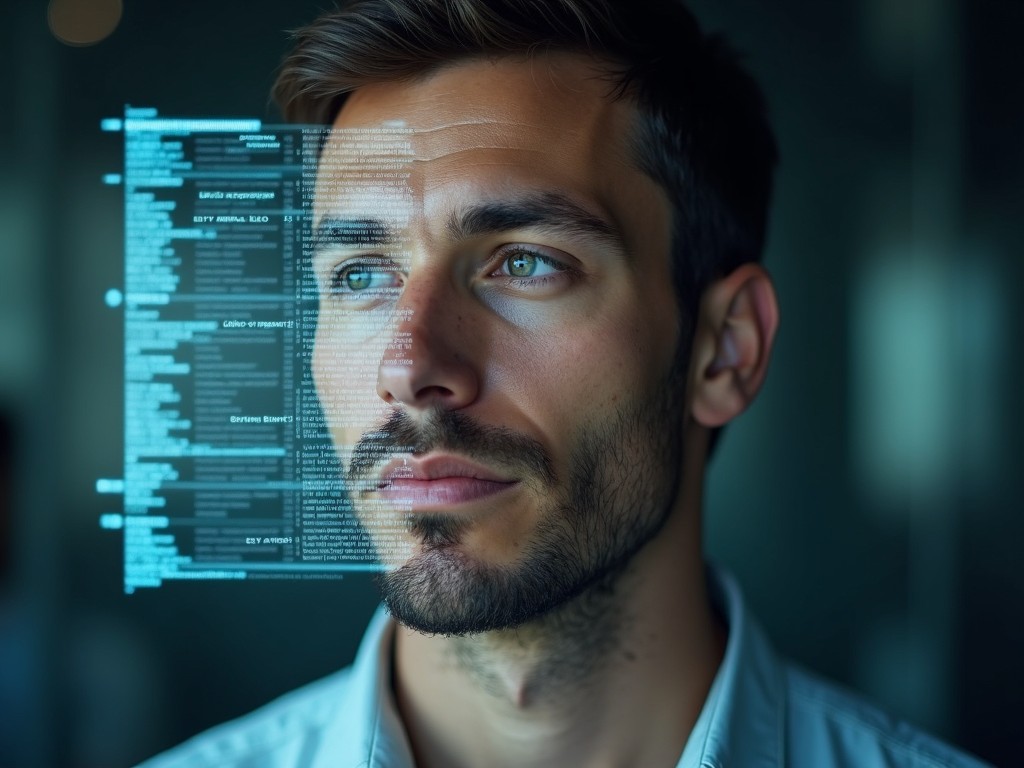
(761,712)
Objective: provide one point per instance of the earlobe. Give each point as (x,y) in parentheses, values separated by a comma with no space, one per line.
(732,344)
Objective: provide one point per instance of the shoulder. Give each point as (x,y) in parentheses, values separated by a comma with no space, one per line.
(829,726)
(277,733)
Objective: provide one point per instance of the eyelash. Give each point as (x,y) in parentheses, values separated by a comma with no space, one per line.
(372,265)
(505,254)
(338,275)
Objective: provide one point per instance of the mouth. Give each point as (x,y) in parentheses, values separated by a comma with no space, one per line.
(439,481)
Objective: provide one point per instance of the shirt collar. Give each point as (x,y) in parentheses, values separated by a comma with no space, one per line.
(741,722)
(367,731)
(743,717)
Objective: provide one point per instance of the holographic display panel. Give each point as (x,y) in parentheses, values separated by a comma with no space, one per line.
(229,472)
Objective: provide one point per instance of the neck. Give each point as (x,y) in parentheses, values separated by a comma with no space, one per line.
(616,676)
(536,666)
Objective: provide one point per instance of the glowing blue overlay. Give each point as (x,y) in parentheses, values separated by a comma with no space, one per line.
(228,470)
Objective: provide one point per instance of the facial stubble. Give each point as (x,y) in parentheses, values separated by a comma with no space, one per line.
(623,479)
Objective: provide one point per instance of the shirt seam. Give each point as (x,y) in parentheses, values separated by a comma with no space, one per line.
(851,719)
(374,731)
(378,709)
(707,761)
(252,747)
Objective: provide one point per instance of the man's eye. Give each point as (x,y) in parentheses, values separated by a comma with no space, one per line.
(364,280)
(358,279)
(526,264)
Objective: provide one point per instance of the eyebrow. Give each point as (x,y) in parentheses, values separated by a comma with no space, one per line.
(551,212)
(335,231)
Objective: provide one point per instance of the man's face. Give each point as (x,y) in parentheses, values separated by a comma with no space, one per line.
(496,353)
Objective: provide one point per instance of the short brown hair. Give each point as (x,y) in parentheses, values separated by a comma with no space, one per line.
(702,131)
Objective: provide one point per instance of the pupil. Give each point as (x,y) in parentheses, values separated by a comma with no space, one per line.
(522,265)
(358,280)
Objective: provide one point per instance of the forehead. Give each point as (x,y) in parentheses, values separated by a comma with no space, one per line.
(476,129)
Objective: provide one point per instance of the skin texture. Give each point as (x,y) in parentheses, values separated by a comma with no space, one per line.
(615,669)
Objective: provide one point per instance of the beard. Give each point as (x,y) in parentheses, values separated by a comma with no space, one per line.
(623,479)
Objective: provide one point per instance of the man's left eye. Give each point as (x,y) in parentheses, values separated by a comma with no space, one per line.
(526,264)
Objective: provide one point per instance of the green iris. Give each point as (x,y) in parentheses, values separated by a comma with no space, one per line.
(522,264)
(358,279)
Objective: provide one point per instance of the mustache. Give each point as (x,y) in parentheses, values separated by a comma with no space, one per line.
(442,429)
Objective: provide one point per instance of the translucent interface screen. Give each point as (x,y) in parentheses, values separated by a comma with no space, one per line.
(229,469)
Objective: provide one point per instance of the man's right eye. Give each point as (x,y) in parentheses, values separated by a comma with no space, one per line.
(364,280)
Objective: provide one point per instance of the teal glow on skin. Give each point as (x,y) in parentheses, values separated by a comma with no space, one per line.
(548,355)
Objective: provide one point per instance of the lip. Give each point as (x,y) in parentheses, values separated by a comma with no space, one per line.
(437,466)
(438,480)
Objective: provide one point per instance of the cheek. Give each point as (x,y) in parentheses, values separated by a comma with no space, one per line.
(576,372)
(345,376)
(610,362)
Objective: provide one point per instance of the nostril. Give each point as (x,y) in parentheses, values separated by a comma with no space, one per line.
(434,393)
(427,380)
(423,365)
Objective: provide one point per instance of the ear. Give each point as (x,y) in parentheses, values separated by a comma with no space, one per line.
(732,344)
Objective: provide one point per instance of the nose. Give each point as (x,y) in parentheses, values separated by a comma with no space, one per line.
(428,362)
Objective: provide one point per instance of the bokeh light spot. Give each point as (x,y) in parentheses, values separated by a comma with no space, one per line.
(113,297)
(83,22)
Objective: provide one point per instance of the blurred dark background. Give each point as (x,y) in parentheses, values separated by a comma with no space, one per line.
(870,503)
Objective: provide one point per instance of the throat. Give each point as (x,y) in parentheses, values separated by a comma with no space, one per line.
(549,660)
